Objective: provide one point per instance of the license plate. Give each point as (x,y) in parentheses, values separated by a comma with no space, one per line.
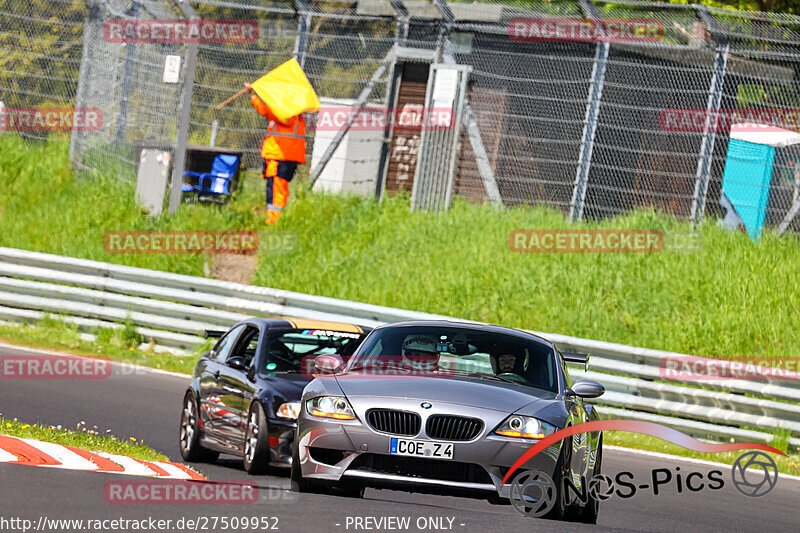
(421,448)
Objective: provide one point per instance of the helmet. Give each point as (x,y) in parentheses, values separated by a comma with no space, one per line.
(419,352)
(508,359)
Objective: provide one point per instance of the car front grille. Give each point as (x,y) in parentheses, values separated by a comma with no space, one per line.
(455,428)
(394,422)
(417,467)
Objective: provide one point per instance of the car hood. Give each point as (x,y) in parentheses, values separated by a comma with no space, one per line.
(465,390)
(287,387)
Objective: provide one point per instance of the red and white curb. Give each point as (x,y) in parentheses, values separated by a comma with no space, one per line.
(49,455)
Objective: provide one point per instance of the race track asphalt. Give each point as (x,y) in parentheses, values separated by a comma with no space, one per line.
(146,405)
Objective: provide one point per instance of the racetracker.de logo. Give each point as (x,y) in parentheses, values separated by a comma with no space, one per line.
(585,30)
(53,119)
(180,492)
(586,241)
(181,242)
(755,120)
(53,367)
(180,31)
(409,117)
(692,368)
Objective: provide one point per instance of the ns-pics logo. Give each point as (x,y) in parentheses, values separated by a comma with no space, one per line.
(535,493)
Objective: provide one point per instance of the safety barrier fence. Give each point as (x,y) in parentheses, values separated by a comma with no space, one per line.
(172,311)
(591,127)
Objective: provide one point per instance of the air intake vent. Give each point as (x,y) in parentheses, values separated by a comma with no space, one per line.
(446,427)
(394,422)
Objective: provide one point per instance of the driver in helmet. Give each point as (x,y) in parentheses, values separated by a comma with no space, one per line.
(419,352)
(508,359)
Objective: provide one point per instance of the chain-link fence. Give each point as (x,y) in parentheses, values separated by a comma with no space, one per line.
(591,127)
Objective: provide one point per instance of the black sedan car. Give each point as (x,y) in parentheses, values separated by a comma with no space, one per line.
(245,396)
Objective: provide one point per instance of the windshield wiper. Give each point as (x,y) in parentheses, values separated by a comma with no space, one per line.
(484,375)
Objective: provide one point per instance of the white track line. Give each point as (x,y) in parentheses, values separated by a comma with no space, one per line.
(6,457)
(68,459)
(173,471)
(132,467)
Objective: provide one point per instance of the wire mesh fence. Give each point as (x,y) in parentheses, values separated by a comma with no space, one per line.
(592,127)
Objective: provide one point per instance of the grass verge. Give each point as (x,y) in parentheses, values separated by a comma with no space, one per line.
(53,334)
(733,298)
(81,437)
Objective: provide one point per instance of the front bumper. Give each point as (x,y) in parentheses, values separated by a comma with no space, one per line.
(281,440)
(351,450)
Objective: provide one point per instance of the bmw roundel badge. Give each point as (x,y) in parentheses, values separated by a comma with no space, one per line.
(426,405)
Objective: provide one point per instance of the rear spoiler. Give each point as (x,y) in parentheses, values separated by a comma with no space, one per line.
(214,334)
(577,358)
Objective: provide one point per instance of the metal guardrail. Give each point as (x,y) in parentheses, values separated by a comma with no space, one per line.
(173,310)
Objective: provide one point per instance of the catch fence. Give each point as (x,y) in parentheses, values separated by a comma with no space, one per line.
(593,128)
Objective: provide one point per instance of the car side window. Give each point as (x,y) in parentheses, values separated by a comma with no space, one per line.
(223,347)
(247,345)
(565,371)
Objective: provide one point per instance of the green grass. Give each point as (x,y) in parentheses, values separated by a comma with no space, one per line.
(82,437)
(113,344)
(732,299)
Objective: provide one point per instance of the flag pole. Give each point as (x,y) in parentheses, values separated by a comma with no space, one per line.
(231,99)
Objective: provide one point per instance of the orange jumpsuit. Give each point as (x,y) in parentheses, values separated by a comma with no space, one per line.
(283,149)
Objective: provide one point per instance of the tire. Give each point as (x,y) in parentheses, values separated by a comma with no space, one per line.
(588,513)
(189,435)
(256,441)
(560,510)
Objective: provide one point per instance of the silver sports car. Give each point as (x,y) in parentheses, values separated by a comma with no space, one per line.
(448,408)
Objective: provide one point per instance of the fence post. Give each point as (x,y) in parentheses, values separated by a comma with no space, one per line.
(179,156)
(127,77)
(474,132)
(712,110)
(709,135)
(590,120)
(303,24)
(90,36)
(357,106)
(392,86)
(589,130)
(214,131)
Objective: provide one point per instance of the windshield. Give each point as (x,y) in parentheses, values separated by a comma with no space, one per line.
(287,349)
(459,351)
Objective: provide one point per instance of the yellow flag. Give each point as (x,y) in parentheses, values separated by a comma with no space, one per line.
(287,91)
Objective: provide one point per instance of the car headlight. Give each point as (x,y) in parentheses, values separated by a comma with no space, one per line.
(335,407)
(525,427)
(290,410)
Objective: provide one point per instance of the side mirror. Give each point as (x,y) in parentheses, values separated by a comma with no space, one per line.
(586,388)
(237,363)
(328,364)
